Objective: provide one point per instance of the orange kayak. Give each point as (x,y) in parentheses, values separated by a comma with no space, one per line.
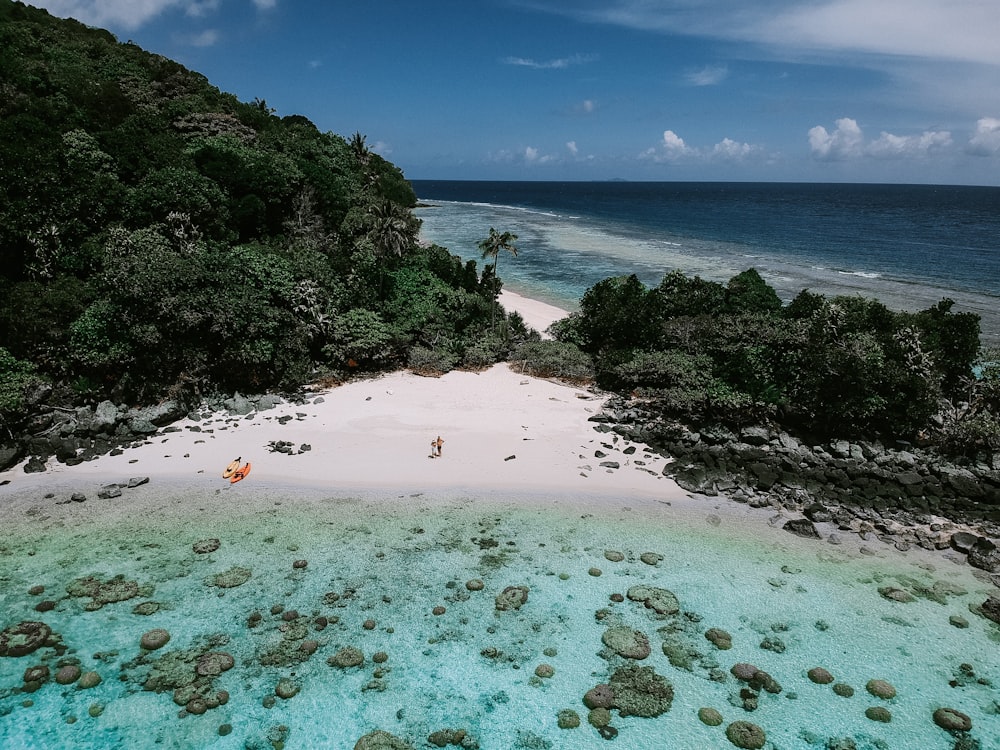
(231,469)
(240,473)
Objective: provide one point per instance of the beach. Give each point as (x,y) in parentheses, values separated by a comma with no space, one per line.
(477,587)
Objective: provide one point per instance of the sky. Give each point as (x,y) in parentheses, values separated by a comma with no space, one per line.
(896,91)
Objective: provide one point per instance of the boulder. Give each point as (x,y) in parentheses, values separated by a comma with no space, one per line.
(801,527)
(10,454)
(991,609)
(105,418)
(985,555)
(963,541)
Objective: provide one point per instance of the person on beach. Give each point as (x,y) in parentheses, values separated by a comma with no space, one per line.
(434,448)
(439,442)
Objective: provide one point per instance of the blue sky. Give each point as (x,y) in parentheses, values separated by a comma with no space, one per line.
(771,90)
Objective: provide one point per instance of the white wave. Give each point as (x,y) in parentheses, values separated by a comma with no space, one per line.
(862,274)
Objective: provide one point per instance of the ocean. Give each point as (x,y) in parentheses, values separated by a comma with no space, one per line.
(412,584)
(907,245)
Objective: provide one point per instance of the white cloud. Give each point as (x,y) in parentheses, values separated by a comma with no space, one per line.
(842,143)
(557,64)
(729,150)
(131,14)
(847,141)
(572,148)
(939,29)
(205,38)
(889,146)
(382,148)
(710,75)
(673,143)
(986,140)
(127,14)
(533,156)
(935,29)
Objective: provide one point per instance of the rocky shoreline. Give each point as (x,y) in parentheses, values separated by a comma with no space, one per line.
(87,432)
(904,496)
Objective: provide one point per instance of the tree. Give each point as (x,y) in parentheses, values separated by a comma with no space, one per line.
(391,233)
(491,247)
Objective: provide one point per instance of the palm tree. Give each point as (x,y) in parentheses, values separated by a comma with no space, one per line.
(491,247)
(391,233)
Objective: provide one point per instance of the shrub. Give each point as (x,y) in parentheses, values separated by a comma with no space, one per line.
(553,359)
(360,338)
(484,353)
(429,361)
(16,378)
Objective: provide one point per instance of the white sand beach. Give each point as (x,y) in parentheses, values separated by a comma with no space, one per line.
(502,431)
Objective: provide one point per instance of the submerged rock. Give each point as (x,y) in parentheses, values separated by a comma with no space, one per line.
(154,639)
(747,735)
(721,639)
(952,720)
(627,643)
(512,597)
(116,589)
(381,740)
(881,689)
(231,578)
(661,601)
(24,638)
(347,657)
(640,691)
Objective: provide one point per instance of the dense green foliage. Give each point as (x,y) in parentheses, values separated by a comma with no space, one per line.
(159,236)
(840,366)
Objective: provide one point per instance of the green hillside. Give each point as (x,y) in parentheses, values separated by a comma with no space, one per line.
(159,236)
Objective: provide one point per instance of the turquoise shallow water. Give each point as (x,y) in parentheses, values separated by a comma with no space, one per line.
(471,666)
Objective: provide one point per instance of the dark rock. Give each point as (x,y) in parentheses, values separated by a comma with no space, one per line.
(985,555)
(34,465)
(109,491)
(991,609)
(818,513)
(963,541)
(802,527)
(10,455)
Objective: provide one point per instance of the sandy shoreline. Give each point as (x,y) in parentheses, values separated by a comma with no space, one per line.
(509,439)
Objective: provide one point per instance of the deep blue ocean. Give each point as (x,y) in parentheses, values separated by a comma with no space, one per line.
(908,245)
